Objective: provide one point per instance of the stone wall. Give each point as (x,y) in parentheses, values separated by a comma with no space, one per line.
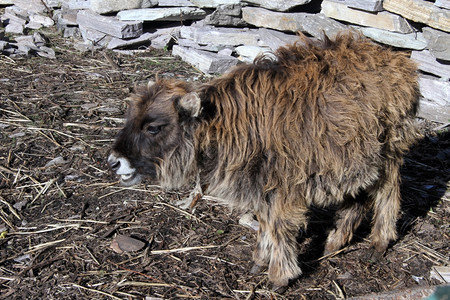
(214,35)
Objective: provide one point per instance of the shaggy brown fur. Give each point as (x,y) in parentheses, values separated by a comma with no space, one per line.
(317,125)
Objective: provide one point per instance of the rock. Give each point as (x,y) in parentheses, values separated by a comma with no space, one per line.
(6,2)
(31,6)
(110,6)
(207,62)
(109,25)
(162,14)
(117,43)
(56,162)
(43,20)
(249,53)
(435,90)
(443,3)
(177,3)
(275,39)
(68,18)
(94,37)
(220,36)
(123,243)
(16,11)
(33,25)
(15,16)
(213,3)
(413,40)
(427,62)
(226,15)
(420,11)
(367,5)
(72,32)
(280,5)
(438,43)
(14,28)
(314,24)
(46,52)
(76,4)
(431,111)
(381,20)
(207,47)
(161,42)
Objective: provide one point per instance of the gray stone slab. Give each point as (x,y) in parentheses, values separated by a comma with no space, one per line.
(94,37)
(209,47)
(72,32)
(161,42)
(438,42)
(435,90)
(14,28)
(76,4)
(109,25)
(213,3)
(207,62)
(413,40)
(117,43)
(275,39)
(33,25)
(420,11)
(443,3)
(162,14)
(13,18)
(280,5)
(226,15)
(314,24)
(43,20)
(381,20)
(249,53)
(221,36)
(367,5)
(110,6)
(34,6)
(431,111)
(177,3)
(428,63)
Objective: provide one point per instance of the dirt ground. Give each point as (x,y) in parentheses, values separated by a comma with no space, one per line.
(61,208)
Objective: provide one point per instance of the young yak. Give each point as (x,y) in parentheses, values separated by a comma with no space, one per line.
(316,125)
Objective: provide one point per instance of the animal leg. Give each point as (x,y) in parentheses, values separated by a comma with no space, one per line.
(261,254)
(349,218)
(284,229)
(386,206)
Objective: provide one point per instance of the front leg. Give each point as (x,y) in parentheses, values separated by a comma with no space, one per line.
(284,226)
(190,201)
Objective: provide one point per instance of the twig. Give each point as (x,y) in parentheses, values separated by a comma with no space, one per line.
(182,249)
(95,291)
(185,213)
(11,208)
(43,246)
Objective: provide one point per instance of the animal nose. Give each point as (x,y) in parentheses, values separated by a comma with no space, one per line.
(113,162)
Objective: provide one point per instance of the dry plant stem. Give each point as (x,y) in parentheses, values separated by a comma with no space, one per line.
(96,291)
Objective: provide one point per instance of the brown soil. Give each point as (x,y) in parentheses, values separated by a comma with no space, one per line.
(57,221)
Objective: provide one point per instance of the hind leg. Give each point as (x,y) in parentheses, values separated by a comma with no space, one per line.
(386,206)
(349,218)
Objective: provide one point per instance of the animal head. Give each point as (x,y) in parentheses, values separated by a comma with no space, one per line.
(157,134)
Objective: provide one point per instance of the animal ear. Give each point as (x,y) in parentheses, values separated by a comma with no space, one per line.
(191,104)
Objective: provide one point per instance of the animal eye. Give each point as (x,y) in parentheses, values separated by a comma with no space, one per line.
(153,129)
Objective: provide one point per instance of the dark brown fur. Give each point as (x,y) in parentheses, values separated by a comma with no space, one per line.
(315,126)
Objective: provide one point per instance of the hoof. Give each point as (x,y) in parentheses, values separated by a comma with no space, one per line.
(257,269)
